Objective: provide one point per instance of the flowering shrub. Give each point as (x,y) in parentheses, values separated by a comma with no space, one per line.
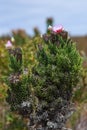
(44,93)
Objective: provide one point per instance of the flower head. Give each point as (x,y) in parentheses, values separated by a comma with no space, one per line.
(58,29)
(8,45)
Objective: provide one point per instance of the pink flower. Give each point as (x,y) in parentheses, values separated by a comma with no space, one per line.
(8,44)
(58,29)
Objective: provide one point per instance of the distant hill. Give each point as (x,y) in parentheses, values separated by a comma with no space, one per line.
(81,42)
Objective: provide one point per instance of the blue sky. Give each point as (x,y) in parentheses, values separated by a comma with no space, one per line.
(27,14)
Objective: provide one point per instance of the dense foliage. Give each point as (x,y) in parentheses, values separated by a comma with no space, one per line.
(43,94)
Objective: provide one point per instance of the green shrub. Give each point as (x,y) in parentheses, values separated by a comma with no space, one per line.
(58,69)
(44,92)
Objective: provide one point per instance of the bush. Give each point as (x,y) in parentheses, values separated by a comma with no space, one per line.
(44,93)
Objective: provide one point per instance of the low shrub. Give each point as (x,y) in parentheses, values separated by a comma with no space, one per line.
(44,93)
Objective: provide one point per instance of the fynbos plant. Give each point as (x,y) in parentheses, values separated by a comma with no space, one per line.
(44,96)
